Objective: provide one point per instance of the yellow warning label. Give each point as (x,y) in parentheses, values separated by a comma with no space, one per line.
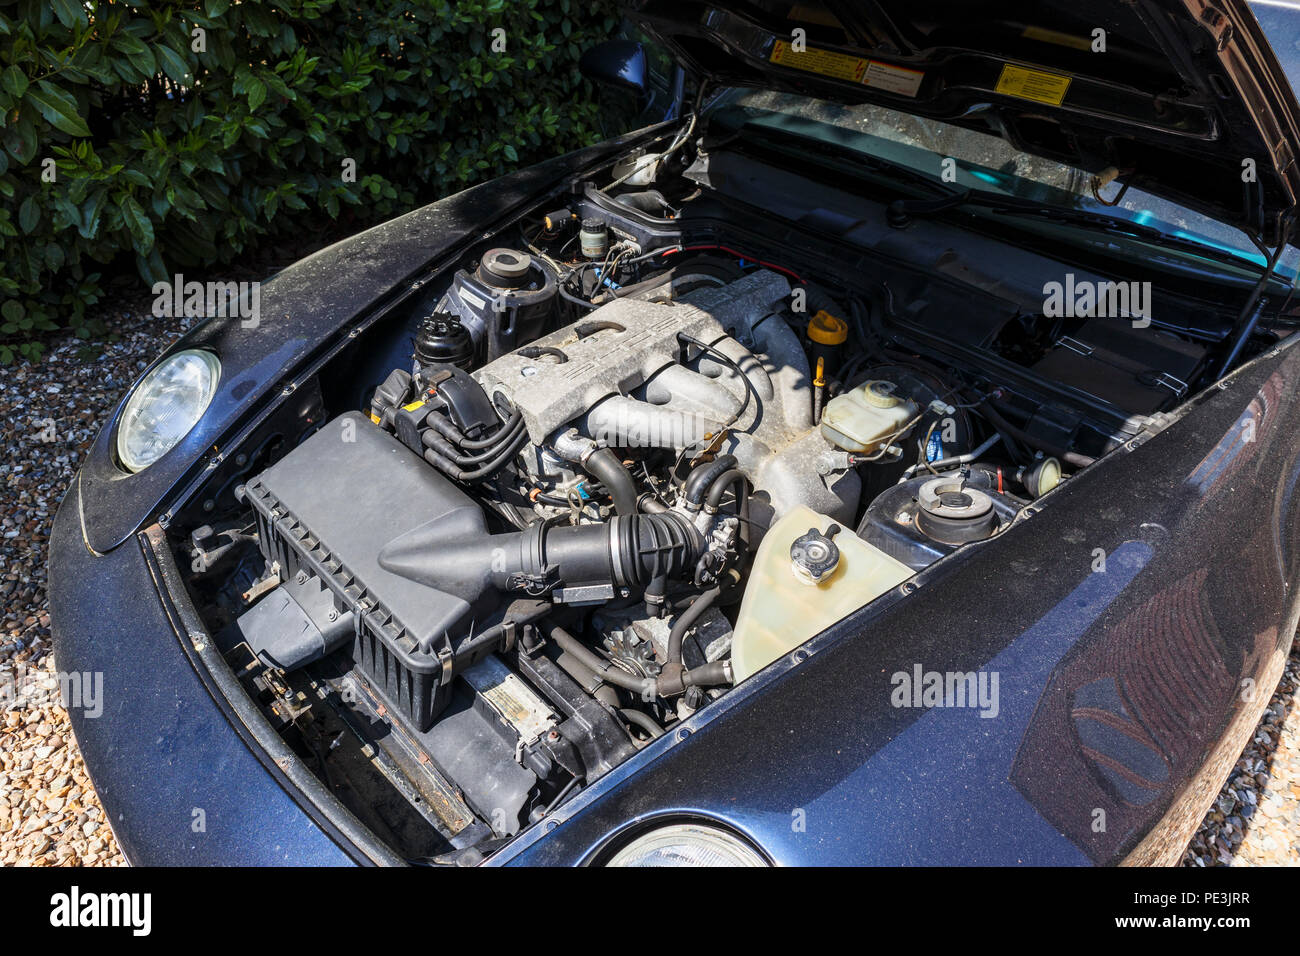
(414,406)
(839,66)
(1033,85)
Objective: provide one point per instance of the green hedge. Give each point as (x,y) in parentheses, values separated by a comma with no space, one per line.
(185,134)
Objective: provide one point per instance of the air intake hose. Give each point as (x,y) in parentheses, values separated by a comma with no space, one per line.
(628,551)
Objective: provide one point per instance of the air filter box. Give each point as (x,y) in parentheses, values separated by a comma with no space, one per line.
(328,508)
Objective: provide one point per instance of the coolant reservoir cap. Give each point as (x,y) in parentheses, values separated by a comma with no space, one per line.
(881,394)
(814,556)
(827,329)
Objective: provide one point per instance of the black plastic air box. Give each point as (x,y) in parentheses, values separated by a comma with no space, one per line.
(328,508)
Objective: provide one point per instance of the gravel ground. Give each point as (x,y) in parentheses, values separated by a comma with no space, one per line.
(49,815)
(1255,820)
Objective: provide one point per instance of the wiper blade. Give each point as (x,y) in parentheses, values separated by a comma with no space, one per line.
(1113,225)
(901,211)
(1082,217)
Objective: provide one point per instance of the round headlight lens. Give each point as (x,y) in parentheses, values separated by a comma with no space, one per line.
(687,844)
(165,405)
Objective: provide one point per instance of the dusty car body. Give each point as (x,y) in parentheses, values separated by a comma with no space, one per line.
(555,523)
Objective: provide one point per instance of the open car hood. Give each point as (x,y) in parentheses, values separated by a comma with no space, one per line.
(1186,100)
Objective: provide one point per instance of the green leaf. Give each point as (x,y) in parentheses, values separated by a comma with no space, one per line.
(174,65)
(29,214)
(59,108)
(128,43)
(20,139)
(14,81)
(256,93)
(71,13)
(136,51)
(137,224)
(151,267)
(90,212)
(144,62)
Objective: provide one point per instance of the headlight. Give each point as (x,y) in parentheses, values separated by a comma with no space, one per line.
(687,844)
(165,405)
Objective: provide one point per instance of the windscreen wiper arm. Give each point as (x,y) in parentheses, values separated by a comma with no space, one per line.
(900,212)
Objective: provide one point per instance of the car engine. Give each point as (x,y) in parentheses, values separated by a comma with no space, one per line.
(604,471)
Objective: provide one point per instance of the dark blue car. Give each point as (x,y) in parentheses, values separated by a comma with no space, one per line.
(887,457)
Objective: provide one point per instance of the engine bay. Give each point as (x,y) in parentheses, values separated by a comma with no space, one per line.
(619,458)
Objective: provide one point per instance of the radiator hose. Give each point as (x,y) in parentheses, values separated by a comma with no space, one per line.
(646,688)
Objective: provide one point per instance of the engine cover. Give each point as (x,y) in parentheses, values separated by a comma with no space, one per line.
(618,348)
(625,377)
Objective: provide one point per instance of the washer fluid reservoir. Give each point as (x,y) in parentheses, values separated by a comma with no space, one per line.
(805,578)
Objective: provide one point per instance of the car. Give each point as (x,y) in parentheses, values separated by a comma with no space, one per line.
(887,457)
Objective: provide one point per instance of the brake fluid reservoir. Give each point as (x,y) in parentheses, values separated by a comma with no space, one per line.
(867,417)
(804,580)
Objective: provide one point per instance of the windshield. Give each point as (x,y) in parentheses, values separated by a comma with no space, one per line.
(966,158)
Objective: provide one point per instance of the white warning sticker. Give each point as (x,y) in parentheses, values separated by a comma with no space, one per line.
(471,298)
(893,79)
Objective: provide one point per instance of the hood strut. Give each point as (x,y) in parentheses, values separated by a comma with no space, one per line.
(1246,322)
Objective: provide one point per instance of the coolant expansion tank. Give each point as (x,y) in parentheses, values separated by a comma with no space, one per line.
(790,599)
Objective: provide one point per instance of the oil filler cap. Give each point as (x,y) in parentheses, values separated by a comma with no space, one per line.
(827,329)
(814,556)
